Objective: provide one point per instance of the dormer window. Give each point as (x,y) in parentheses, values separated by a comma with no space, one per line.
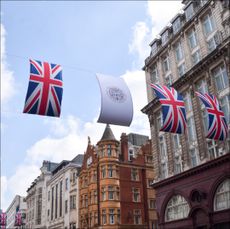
(154,48)
(189,12)
(176,25)
(164,37)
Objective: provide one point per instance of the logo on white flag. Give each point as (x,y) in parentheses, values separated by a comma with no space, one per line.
(116,94)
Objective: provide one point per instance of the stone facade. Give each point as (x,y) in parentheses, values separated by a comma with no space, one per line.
(37,198)
(62,193)
(113,182)
(18,205)
(191,54)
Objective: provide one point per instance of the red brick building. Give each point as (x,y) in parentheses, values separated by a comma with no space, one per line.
(114,183)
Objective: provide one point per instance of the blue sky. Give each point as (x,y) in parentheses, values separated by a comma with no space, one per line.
(85,38)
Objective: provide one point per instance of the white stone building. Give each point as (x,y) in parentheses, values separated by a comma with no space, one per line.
(62,195)
(36,197)
(18,204)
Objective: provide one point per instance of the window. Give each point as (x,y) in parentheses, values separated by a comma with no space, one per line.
(176,142)
(162,146)
(189,12)
(208,24)
(152,204)
(176,25)
(137,216)
(159,121)
(131,154)
(177,208)
(66,206)
(212,148)
(222,196)
(203,88)
(52,203)
(168,80)
(94,175)
(110,171)
(74,177)
(136,195)
(48,195)
(221,77)
(187,102)
(154,48)
(111,216)
(95,197)
(179,53)
(196,57)
(191,129)
(103,194)
(181,69)
(224,103)
(73,202)
(103,216)
(66,184)
(149,159)
(164,170)
(165,64)
(111,192)
(192,38)
(109,150)
(134,175)
(154,75)
(56,201)
(211,44)
(177,164)
(103,172)
(193,157)
(164,37)
(60,199)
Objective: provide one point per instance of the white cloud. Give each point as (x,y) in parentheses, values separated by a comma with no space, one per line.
(139,44)
(160,13)
(7,78)
(21,180)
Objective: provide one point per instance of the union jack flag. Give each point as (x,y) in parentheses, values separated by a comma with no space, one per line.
(18,219)
(173,109)
(45,90)
(3,219)
(217,125)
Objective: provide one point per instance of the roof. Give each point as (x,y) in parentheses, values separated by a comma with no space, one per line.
(78,159)
(60,166)
(108,134)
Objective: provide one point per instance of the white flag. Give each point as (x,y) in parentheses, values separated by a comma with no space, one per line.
(116,101)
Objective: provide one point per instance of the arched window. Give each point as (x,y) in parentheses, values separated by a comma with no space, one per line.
(222,196)
(177,208)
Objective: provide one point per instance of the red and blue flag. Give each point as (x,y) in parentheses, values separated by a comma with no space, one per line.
(217,125)
(3,219)
(18,219)
(173,109)
(45,89)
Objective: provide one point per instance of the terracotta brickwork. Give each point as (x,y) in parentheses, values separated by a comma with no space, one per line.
(122,195)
